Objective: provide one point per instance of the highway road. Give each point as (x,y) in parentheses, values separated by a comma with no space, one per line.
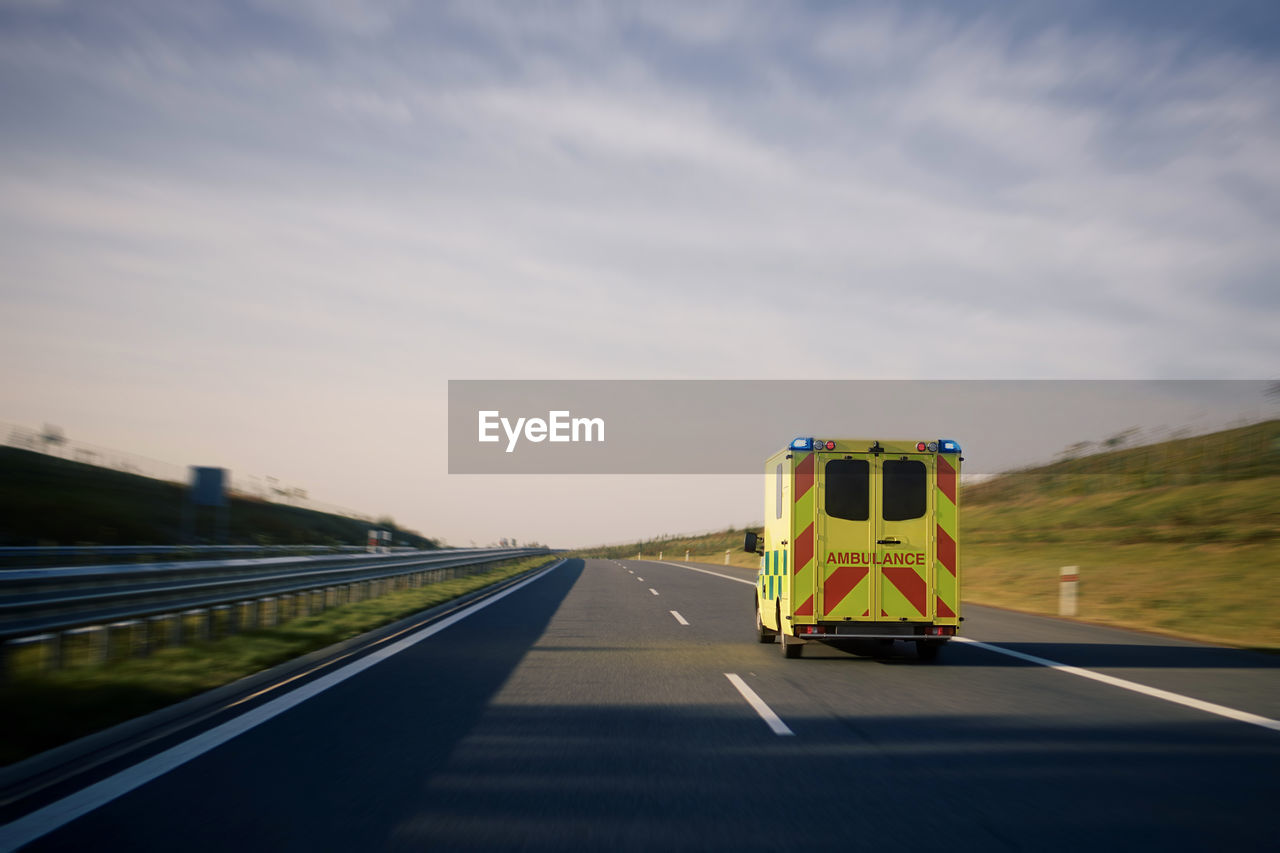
(598,707)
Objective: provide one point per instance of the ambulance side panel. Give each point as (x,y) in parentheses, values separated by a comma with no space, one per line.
(946,563)
(775,572)
(804,562)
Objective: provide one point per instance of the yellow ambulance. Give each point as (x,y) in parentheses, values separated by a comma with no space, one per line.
(860,543)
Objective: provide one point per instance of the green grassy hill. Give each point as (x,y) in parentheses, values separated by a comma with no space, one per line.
(1177,537)
(706,547)
(49,501)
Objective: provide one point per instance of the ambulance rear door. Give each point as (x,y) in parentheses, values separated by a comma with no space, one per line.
(874,547)
(904,545)
(846,537)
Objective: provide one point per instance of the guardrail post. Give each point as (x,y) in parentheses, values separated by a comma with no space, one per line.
(99,649)
(267,609)
(204,623)
(111,640)
(57,658)
(129,628)
(11,650)
(156,632)
(232,622)
(48,647)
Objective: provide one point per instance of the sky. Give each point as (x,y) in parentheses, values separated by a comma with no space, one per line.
(265,234)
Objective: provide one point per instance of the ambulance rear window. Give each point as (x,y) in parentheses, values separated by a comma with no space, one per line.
(904,490)
(848,490)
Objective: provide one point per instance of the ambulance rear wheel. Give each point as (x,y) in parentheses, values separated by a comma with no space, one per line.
(927,650)
(762,633)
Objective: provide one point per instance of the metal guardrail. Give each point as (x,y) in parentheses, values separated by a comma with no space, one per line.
(31,556)
(43,605)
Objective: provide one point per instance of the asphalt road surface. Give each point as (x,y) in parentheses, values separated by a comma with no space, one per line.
(579,712)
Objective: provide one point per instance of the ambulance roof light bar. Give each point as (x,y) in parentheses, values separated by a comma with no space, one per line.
(942,445)
(812,444)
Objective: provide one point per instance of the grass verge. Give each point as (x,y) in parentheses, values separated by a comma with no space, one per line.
(1214,592)
(41,710)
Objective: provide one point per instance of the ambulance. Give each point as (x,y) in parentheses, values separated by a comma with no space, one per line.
(860,543)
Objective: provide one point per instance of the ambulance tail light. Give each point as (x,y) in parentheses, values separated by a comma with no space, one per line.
(946,445)
(941,630)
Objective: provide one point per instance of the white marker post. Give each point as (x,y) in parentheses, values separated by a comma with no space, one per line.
(686,556)
(726,555)
(1068,590)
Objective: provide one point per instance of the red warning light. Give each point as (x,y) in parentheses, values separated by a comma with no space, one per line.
(920,445)
(831,445)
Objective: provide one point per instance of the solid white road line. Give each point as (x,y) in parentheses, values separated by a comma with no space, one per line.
(1176,698)
(679,618)
(765,712)
(41,822)
(705,572)
(652,590)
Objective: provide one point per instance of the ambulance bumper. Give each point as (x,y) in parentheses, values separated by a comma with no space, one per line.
(875,631)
